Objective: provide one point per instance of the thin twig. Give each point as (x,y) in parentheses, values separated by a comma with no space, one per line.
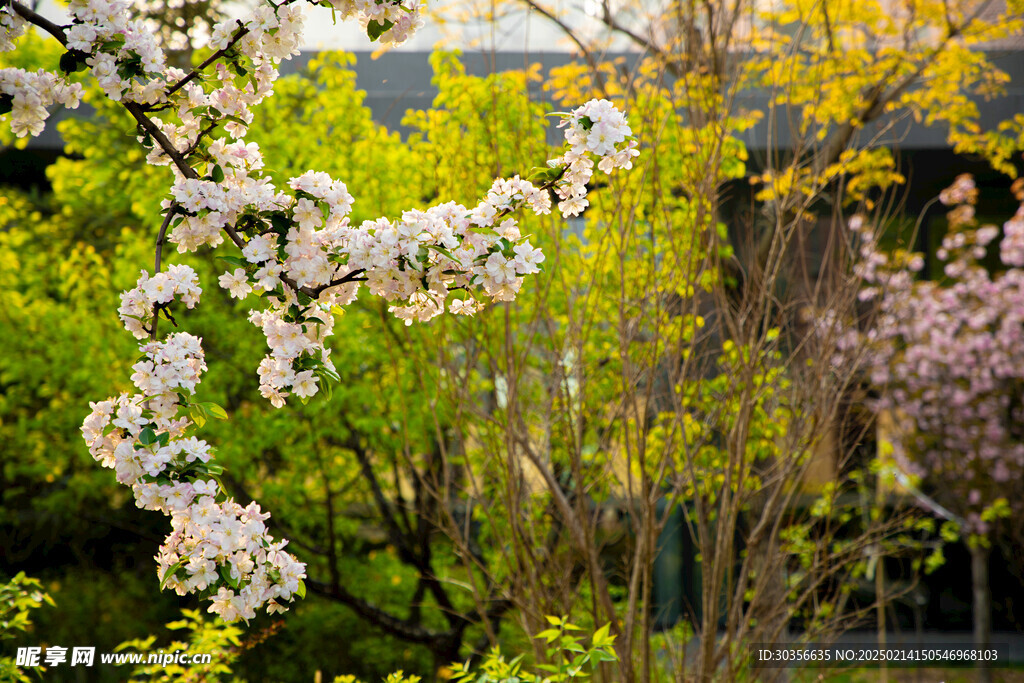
(161,236)
(208,61)
(160,240)
(587,54)
(199,138)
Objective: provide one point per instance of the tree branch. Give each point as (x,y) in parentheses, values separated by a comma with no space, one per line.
(156,264)
(401,538)
(386,621)
(138,112)
(584,50)
(209,60)
(876,104)
(647,45)
(576,530)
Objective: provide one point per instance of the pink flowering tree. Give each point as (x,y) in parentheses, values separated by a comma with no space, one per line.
(291,251)
(947,360)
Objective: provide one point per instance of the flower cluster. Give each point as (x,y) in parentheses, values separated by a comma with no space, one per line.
(12,27)
(215,545)
(29,94)
(394,22)
(598,128)
(414,263)
(122,53)
(116,431)
(948,358)
(298,356)
(138,304)
(301,253)
(128,63)
(963,191)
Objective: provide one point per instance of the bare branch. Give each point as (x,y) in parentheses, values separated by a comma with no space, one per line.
(584,50)
(171,211)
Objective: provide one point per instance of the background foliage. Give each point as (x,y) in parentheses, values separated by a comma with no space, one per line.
(623,370)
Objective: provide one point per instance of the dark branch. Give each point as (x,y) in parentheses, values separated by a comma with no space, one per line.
(156,268)
(242,31)
(311,292)
(387,622)
(199,138)
(402,538)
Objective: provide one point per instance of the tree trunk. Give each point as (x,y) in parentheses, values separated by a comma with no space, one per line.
(982,607)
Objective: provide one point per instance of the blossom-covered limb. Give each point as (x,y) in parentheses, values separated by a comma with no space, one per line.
(298,252)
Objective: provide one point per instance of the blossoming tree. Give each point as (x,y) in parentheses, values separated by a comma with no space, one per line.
(294,248)
(947,358)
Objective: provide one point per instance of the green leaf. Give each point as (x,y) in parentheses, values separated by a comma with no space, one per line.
(549,634)
(171,571)
(217,174)
(232,117)
(147,436)
(225,574)
(112,45)
(197,415)
(375,29)
(280,222)
(442,251)
(543,175)
(72,61)
(301,590)
(601,636)
(215,410)
(234,260)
